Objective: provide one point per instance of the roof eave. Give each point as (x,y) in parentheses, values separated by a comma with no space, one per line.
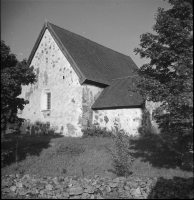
(116,107)
(101,84)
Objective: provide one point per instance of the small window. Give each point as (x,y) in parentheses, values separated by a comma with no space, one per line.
(46,100)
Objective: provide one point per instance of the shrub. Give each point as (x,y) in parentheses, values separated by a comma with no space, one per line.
(96,131)
(121,154)
(121,157)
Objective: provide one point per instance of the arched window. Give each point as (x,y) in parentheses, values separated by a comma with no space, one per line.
(46,99)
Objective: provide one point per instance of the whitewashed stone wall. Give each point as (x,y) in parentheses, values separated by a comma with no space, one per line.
(89,94)
(128,120)
(55,73)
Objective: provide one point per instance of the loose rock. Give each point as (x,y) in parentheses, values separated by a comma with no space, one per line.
(113,185)
(76,191)
(85,196)
(19,184)
(13,188)
(90,189)
(49,187)
(136,192)
(65,195)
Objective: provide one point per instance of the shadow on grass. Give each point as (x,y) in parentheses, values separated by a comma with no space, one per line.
(18,146)
(176,188)
(158,150)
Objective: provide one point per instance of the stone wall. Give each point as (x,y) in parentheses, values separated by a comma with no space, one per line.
(54,73)
(38,128)
(89,94)
(128,119)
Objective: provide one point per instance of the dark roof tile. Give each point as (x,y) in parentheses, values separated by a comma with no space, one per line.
(90,60)
(119,95)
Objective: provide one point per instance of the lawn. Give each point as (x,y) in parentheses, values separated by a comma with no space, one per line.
(47,155)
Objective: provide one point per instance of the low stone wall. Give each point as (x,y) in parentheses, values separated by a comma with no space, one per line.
(26,186)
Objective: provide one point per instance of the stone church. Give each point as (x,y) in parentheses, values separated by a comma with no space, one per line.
(79,84)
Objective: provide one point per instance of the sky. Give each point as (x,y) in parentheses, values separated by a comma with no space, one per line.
(116,24)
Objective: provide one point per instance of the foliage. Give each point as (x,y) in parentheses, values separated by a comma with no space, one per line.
(122,159)
(168,77)
(121,154)
(13,75)
(96,131)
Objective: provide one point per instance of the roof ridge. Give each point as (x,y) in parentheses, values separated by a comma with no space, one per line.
(92,41)
(94,61)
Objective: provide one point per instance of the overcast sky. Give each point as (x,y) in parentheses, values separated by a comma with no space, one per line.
(116,24)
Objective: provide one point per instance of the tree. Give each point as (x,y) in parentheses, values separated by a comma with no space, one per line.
(168,77)
(13,75)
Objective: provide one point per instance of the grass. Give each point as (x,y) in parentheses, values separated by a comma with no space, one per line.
(44,155)
(85,157)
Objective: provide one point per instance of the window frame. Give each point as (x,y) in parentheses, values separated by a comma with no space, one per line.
(46,100)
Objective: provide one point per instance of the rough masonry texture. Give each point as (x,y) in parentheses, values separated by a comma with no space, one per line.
(55,74)
(72,92)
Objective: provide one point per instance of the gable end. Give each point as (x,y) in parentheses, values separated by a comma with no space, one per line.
(61,47)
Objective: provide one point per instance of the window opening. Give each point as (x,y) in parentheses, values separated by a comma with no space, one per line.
(48,100)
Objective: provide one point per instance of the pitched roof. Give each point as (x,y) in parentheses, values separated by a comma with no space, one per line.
(91,61)
(119,95)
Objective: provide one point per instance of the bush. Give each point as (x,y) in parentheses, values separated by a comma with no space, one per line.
(96,131)
(121,154)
